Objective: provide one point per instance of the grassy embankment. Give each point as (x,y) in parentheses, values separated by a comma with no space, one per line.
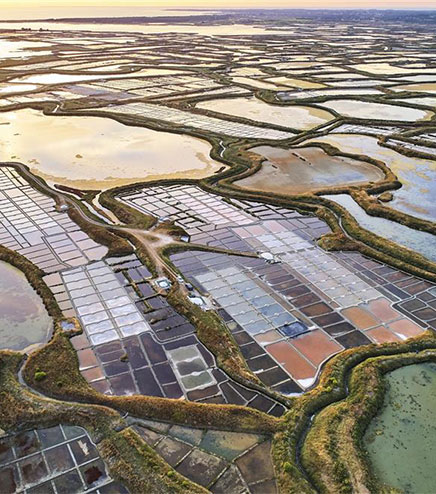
(34,276)
(131,217)
(212,332)
(337,217)
(243,163)
(129,459)
(117,246)
(71,385)
(338,429)
(289,431)
(333,453)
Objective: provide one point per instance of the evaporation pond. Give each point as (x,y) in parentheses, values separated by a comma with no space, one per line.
(99,153)
(377,111)
(401,439)
(297,117)
(417,175)
(24,320)
(291,171)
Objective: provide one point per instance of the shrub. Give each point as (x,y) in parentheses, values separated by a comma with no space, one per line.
(40,375)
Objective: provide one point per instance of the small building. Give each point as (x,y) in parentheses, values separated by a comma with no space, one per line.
(163,283)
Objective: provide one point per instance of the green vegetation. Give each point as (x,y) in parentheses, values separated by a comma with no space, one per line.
(332,462)
(374,208)
(145,469)
(243,163)
(34,276)
(71,385)
(381,249)
(129,459)
(317,445)
(361,365)
(131,217)
(215,336)
(39,376)
(117,246)
(331,454)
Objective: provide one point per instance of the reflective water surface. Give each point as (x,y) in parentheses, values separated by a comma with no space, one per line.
(302,169)
(56,78)
(401,440)
(422,242)
(17,88)
(377,111)
(417,175)
(211,30)
(24,320)
(20,49)
(429,87)
(95,152)
(297,117)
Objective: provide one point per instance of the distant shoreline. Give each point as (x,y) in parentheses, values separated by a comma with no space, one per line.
(419,16)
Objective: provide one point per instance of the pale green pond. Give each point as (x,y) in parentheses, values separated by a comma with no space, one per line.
(401,440)
(24,320)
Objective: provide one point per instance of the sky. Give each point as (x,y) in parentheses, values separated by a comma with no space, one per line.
(156,4)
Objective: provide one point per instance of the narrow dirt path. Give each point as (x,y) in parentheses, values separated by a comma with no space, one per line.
(151,240)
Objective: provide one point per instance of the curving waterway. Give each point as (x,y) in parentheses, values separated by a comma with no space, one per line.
(422,242)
